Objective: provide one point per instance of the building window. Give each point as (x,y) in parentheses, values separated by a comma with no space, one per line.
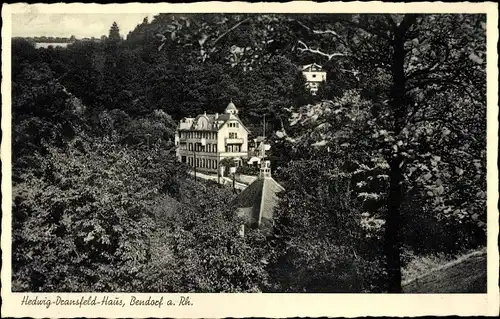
(233,135)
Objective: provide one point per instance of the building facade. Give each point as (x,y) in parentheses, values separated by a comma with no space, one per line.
(314,75)
(205,140)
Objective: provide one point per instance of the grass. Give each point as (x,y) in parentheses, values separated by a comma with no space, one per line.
(441,274)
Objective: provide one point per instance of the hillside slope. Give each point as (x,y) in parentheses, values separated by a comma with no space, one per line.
(464,275)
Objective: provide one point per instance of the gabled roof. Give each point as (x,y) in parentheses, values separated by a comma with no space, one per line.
(312,65)
(227,118)
(212,119)
(256,203)
(224,117)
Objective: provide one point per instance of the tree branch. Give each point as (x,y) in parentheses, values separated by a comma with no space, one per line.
(367,29)
(231,29)
(317,51)
(325,32)
(407,22)
(391,21)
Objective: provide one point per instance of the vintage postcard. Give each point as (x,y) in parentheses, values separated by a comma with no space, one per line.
(209,160)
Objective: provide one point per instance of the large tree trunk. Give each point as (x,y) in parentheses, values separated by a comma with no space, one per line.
(392,237)
(392,227)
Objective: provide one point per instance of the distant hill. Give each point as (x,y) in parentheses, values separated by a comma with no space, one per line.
(45,42)
(464,275)
(48,39)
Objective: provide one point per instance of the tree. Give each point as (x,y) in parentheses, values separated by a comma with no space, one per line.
(114,33)
(43,113)
(91,219)
(321,242)
(420,72)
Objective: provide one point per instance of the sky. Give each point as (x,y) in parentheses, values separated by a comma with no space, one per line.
(79,25)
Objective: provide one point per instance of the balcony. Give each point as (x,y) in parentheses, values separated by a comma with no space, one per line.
(234,140)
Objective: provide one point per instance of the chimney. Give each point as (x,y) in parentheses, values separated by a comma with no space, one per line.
(265,169)
(216,115)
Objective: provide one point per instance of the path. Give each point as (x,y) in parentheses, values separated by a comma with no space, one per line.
(224,180)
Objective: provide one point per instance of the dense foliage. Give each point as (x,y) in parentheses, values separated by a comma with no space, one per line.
(387,163)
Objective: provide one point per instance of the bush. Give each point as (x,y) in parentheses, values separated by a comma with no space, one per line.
(319,243)
(84,216)
(248,170)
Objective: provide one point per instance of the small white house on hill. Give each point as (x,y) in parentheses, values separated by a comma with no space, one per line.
(314,75)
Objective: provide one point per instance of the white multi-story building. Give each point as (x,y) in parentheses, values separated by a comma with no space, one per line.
(314,75)
(207,139)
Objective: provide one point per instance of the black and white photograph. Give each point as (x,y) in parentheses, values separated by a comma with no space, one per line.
(248,152)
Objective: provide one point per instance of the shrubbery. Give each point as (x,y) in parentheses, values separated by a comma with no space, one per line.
(247,170)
